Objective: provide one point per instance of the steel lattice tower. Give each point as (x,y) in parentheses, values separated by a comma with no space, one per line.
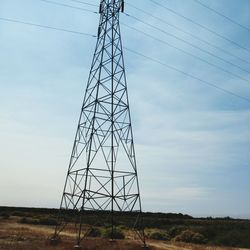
(102,173)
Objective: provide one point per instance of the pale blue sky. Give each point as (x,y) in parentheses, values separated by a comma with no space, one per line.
(192,140)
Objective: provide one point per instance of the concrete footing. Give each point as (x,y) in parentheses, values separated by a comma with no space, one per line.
(54,241)
(77,247)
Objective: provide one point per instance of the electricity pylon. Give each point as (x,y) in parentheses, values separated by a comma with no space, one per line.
(102,173)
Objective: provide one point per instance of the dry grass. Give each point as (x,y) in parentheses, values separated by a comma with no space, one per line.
(184,246)
(15,236)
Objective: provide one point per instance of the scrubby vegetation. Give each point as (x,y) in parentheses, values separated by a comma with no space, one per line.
(117,233)
(211,231)
(159,236)
(94,232)
(190,237)
(39,221)
(159,226)
(4,215)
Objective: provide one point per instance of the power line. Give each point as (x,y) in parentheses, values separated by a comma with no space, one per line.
(46,27)
(68,6)
(188,33)
(199,2)
(190,44)
(222,15)
(82,2)
(135,52)
(200,25)
(185,52)
(189,75)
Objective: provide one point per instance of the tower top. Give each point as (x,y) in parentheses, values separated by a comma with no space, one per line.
(118,4)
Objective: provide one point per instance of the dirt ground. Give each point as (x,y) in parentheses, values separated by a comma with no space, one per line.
(16,236)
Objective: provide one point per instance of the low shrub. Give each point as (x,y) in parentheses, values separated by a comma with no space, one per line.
(117,233)
(25,220)
(199,239)
(94,232)
(231,239)
(48,221)
(5,215)
(189,236)
(159,236)
(41,221)
(185,236)
(176,230)
(122,227)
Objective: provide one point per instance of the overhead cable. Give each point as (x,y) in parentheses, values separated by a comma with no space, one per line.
(200,25)
(138,54)
(45,26)
(186,52)
(82,2)
(185,41)
(188,33)
(188,74)
(68,6)
(222,15)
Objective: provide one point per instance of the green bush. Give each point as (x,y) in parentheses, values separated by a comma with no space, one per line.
(231,239)
(185,236)
(18,213)
(117,233)
(41,221)
(176,230)
(25,220)
(5,215)
(189,236)
(94,232)
(159,236)
(48,221)
(122,227)
(198,239)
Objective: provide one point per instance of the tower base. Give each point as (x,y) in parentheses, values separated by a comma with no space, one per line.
(77,247)
(54,240)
